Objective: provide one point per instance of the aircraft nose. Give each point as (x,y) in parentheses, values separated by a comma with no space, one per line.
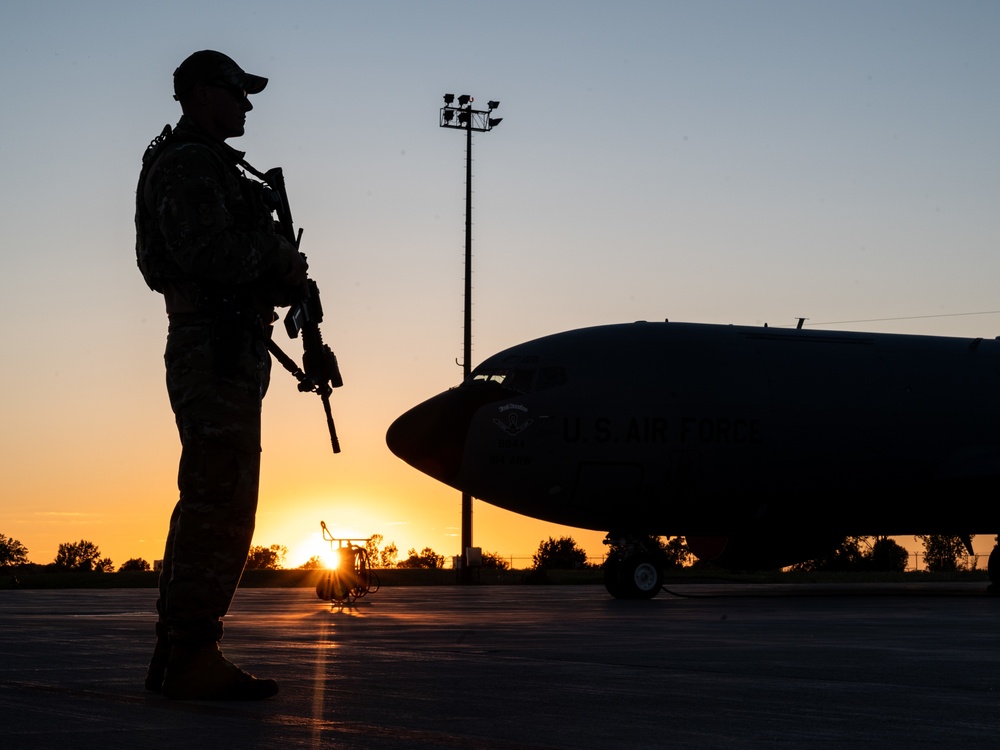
(431,436)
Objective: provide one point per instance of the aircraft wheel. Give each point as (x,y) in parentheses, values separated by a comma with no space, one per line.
(993,566)
(640,577)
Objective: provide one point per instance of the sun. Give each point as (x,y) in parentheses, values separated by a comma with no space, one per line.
(315,544)
(305,549)
(294,522)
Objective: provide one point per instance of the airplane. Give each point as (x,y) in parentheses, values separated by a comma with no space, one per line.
(761,446)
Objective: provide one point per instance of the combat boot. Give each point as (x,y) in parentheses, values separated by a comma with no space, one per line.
(202,673)
(158,664)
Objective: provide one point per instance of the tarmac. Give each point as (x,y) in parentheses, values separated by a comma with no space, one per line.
(719,665)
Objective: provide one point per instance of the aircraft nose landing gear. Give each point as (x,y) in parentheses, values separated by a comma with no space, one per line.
(631,570)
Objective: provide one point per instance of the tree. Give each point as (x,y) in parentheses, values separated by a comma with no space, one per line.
(134,565)
(12,552)
(493,561)
(389,555)
(943,553)
(385,557)
(860,553)
(675,552)
(371,547)
(559,554)
(848,555)
(104,565)
(266,558)
(82,555)
(427,558)
(672,551)
(313,563)
(888,554)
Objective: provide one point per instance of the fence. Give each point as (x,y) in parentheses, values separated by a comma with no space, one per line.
(976,562)
(913,563)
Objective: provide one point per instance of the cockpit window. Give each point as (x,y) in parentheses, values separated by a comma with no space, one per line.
(520,379)
(512,379)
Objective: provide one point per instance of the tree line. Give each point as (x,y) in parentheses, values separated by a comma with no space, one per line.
(942,553)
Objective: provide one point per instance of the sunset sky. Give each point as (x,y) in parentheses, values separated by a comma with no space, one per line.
(727,162)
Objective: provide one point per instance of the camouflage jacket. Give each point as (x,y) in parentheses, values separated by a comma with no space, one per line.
(203,231)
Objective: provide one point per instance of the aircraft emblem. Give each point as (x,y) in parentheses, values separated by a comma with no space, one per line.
(511,423)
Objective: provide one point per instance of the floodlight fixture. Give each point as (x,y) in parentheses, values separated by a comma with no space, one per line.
(493,105)
(464,99)
(449,98)
(448,115)
(494,121)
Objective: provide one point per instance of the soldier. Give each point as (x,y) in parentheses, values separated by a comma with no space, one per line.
(206,240)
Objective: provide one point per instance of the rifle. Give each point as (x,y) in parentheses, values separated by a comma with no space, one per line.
(320,372)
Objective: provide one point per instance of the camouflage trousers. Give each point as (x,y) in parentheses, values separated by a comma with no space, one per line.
(217,373)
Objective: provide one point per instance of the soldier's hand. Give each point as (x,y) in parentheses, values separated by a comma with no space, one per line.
(295,273)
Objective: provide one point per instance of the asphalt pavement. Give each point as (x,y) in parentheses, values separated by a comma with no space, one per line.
(708,666)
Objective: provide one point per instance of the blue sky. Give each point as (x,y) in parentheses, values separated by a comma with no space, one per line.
(729,162)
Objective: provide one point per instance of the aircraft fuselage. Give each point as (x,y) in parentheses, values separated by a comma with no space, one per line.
(711,430)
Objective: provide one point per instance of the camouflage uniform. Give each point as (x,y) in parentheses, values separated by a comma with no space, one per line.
(206,241)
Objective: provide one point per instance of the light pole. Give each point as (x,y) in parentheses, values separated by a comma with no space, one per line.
(457,113)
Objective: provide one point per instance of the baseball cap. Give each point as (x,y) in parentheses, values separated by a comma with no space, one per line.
(209,66)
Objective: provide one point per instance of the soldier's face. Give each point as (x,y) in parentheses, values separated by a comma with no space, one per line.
(226,109)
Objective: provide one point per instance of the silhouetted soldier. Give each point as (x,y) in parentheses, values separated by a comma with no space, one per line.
(206,240)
